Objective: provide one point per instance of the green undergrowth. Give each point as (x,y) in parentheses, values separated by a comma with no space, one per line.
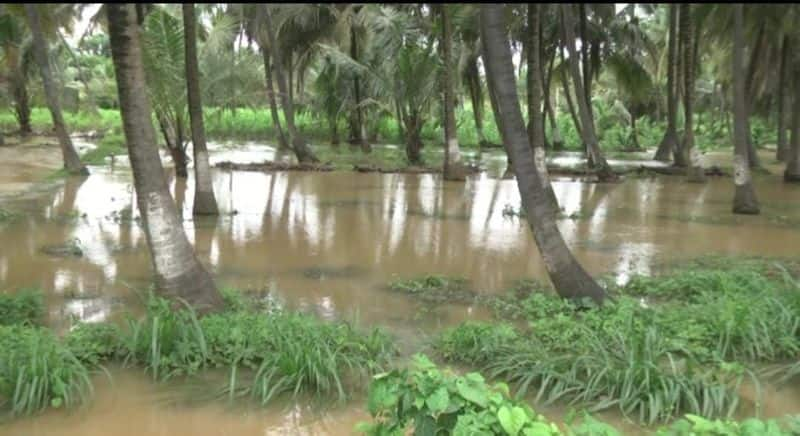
(37,371)
(429,400)
(435,288)
(679,343)
(8,216)
(266,352)
(25,307)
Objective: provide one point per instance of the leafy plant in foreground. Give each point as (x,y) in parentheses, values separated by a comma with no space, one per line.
(23,307)
(438,402)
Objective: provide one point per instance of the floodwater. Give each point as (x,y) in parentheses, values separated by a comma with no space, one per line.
(328,243)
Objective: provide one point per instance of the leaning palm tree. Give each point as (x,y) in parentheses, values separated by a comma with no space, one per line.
(72,162)
(204,201)
(179,274)
(744,201)
(568,276)
(12,37)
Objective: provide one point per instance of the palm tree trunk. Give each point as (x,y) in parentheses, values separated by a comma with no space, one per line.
(696,174)
(536,124)
(571,107)
(670,141)
(476,97)
(557,141)
(204,201)
(273,104)
(750,92)
(179,273)
(568,276)
(587,65)
(72,163)
(299,144)
(452,155)
(782,150)
(792,173)
(744,201)
(509,172)
(361,130)
(22,107)
(597,160)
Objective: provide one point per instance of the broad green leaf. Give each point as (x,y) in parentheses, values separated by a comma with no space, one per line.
(438,401)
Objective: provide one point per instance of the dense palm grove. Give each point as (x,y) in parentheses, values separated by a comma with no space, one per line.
(675,80)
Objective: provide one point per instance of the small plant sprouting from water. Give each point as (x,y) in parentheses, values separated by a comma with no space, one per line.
(8,216)
(435,288)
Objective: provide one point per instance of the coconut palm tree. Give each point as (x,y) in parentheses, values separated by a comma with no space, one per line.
(688,149)
(669,143)
(72,162)
(179,273)
(587,129)
(452,157)
(204,201)
(17,65)
(744,201)
(568,276)
(298,142)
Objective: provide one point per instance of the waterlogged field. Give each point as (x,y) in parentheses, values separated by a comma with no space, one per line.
(431,265)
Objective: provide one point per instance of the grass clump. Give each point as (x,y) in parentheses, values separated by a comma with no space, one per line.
(435,288)
(681,343)
(25,307)
(37,371)
(267,353)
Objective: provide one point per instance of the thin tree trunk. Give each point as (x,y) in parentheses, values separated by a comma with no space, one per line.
(273,104)
(509,172)
(179,274)
(557,140)
(792,173)
(452,155)
(299,144)
(413,140)
(204,201)
(72,162)
(22,108)
(536,126)
(744,201)
(568,276)
(586,71)
(571,107)
(782,149)
(476,97)
(750,92)
(597,160)
(670,141)
(696,174)
(361,129)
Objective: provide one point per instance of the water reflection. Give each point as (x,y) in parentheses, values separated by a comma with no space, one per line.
(275,225)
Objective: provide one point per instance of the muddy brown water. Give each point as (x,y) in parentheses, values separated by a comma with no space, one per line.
(327,243)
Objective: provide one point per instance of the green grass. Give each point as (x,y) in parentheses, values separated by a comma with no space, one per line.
(25,307)
(679,343)
(37,371)
(267,353)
